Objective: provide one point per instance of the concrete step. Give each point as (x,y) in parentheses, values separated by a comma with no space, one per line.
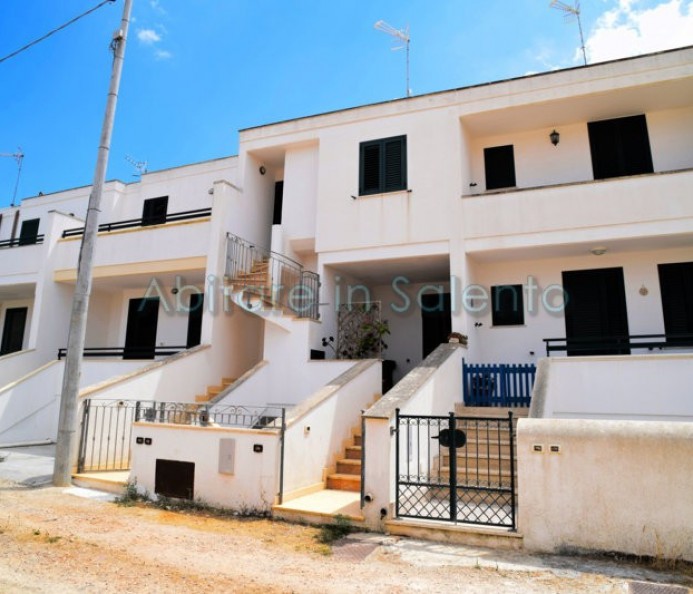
(358,439)
(321,508)
(353,452)
(502,460)
(347,466)
(490,411)
(344,482)
(109,482)
(476,536)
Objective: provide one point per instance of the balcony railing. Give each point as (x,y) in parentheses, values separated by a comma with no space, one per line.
(274,278)
(144,222)
(17,241)
(616,345)
(127,352)
(204,415)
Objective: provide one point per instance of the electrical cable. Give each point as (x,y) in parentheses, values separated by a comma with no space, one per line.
(47,35)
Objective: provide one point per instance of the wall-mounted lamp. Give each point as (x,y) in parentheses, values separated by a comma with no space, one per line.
(599,250)
(555,138)
(263,170)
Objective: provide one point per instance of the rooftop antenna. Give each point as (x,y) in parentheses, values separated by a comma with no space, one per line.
(18,157)
(570,11)
(403,36)
(140,166)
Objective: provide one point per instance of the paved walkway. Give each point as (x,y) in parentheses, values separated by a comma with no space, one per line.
(31,466)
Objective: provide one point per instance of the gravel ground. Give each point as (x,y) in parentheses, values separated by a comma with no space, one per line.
(53,541)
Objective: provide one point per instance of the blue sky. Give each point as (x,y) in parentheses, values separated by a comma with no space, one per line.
(196,71)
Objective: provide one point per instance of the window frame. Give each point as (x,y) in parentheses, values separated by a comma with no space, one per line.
(514,317)
(383,187)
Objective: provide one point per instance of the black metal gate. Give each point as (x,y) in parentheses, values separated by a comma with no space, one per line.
(456,469)
(106,433)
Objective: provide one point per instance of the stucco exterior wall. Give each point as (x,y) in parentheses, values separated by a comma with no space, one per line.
(620,486)
(637,387)
(253,484)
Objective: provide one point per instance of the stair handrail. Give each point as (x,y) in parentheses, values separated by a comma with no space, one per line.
(242,255)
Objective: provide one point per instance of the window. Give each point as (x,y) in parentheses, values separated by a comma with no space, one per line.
(676,284)
(154,211)
(499,164)
(507,306)
(620,147)
(383,165)
(278,200)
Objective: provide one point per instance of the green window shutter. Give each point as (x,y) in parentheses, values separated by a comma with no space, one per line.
(383,165)
(394,164)
(370,168)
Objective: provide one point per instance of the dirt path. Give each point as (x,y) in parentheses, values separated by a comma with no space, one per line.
(55,542)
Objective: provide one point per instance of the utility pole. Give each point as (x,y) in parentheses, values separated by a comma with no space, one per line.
(66,447)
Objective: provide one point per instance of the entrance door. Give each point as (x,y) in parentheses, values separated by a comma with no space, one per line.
(436,320)
(195,320)
(13,330)
(140,335)
(595,314)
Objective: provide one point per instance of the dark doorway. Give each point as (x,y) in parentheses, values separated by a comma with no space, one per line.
(29,232)
(436,320)
(499,166)
(620,147)
(195,320)
(596,318)
(174,479)
(13,330)
(278,202)
(676,284)
(154,211)
(140,335)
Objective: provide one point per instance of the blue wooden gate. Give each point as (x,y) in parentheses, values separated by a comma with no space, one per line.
(502,384)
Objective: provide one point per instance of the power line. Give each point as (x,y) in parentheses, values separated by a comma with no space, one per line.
(47,35)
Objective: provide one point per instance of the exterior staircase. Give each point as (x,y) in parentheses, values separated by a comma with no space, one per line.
(486,457)
(214,391)
(348,473)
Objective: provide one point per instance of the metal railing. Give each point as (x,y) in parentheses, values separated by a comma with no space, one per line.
(616,345)
(204,415)
(143,222)
(17,241)
(128,352)
(275,278)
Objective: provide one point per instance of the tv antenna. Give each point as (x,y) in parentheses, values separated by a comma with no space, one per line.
(18,157)
(570,11)
(140,166)
(403,36)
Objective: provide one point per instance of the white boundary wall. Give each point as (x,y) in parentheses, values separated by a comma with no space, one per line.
(621,486)
(253,484)
(636,387)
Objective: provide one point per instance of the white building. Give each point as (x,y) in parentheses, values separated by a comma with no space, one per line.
(550,214)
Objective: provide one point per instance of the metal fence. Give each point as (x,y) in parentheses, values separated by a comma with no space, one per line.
(106,431)
(456,469)
(498,384)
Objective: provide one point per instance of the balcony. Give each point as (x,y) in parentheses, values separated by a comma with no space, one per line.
(620,208)
(133,247)
(24,262)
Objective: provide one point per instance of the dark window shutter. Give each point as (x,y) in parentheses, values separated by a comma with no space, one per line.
(507,305)
(29,232)
(370,168)
(383,165)
(499,165)
(394,164)
(154,211)
(676,284)
(620,147)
